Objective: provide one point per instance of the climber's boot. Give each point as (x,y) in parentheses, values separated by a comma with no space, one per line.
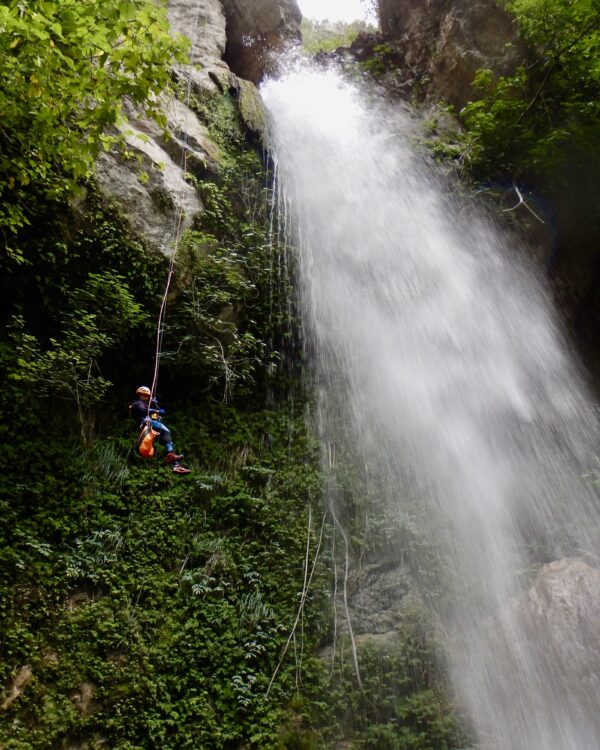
(172,458)
(179,469)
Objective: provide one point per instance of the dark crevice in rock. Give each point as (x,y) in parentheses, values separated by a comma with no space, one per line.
(257,32)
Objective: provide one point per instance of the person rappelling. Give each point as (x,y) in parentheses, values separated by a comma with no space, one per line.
(148,416)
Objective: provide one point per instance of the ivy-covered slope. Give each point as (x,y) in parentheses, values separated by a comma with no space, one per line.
(145,611)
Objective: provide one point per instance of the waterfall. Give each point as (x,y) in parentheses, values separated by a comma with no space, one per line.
(437,356)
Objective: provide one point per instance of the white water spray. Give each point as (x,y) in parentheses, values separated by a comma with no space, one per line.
(435,347)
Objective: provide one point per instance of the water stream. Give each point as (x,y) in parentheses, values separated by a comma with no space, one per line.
(436,350)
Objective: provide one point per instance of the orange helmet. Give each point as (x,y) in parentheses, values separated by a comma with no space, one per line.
(143,390)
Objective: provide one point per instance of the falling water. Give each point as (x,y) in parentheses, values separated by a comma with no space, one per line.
(435,348)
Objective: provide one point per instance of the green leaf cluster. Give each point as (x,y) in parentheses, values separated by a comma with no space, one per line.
(65,67)
(77,312)
(67,367)
(381,60)
(542,123)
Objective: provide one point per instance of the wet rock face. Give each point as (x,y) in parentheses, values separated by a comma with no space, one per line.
(375,601)
(256,31)
(547,681)
(152,187)
(208,18)
(564,605)
(442,43)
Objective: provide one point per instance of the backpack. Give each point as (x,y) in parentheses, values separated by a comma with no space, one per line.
(145,442)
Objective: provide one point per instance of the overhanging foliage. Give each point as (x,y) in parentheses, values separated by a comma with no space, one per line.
(65,66)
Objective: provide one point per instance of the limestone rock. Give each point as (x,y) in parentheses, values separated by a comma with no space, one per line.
(83,698)
(187,133)
(150,186)
(442,43)
(203,22)
(257,30)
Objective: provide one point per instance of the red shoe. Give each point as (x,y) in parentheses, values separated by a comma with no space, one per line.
(179,469)
(172,458)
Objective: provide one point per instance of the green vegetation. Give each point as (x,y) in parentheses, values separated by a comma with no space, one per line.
(152,611)
(398,709)
(380,62)
(64,70)
(542,122)
(539,128)
(138,610)
(229,321)
(327,36)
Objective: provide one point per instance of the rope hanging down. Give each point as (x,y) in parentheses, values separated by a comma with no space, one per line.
(178,221)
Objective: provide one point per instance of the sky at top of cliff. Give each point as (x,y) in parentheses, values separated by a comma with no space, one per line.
(335,10)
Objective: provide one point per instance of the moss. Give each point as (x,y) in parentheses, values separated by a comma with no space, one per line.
(251,108)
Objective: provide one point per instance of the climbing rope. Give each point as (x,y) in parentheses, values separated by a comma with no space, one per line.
(305,589)
(177,223)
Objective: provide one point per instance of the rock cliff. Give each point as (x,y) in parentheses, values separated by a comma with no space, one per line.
(439,44)
(203,22)
(256,30)
(149,182)
(562,610)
